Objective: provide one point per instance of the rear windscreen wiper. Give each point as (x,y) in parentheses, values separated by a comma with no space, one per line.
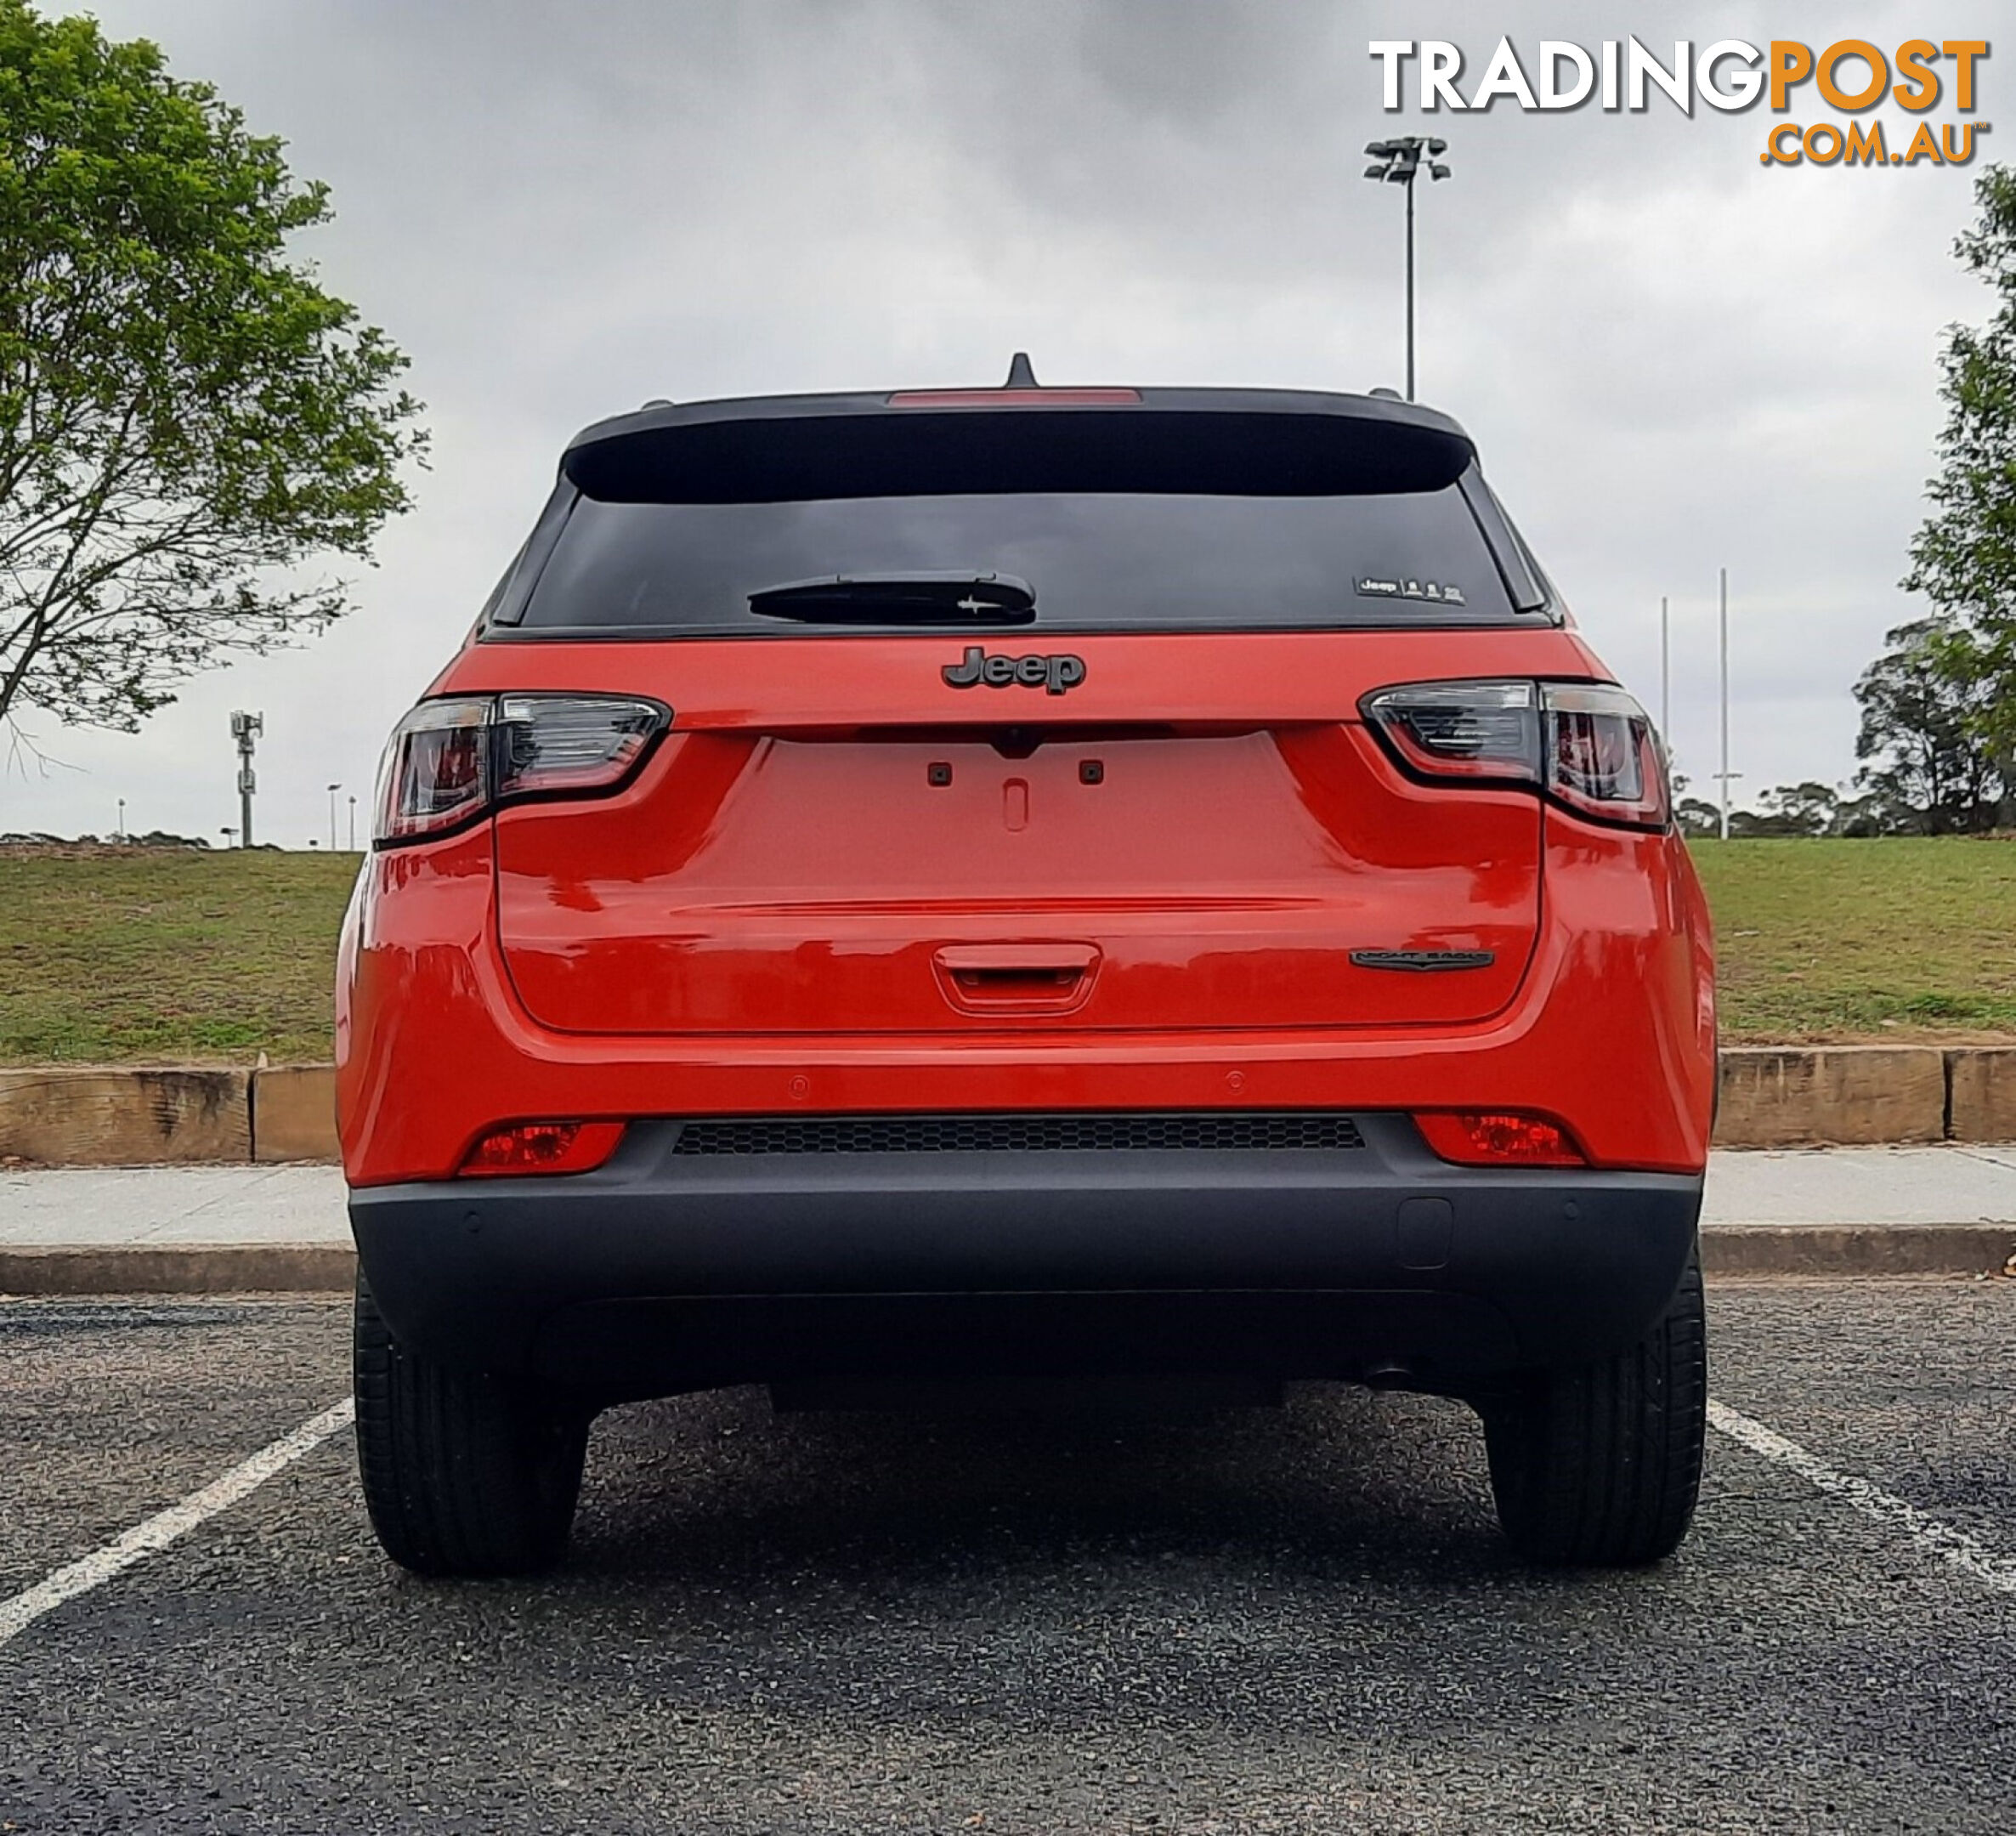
(951,596)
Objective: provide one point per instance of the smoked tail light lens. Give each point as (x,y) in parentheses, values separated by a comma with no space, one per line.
(436,771)
(452,760)
(1602,758)
(1462,729)
(1497,1138)
(550,744)
(542,1147)
(1588,745)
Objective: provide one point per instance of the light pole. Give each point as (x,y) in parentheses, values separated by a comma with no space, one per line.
(122,819)
(1665,675)
(1725,775)
(333,789)
(353,822)
(1400,163)
(229,834)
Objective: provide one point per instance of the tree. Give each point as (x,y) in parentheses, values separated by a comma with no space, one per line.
(1964,556)
(1696,818)
(1926,703)
(1810,808)
(186,415)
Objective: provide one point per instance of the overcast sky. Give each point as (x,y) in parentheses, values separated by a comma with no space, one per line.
(1673,357)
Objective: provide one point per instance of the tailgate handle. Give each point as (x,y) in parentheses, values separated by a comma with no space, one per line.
(1022,978)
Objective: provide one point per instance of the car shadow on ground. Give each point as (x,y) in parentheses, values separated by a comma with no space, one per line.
(720,1491)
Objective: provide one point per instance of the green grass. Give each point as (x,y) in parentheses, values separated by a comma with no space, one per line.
(1893,939)
(124,955)
(142,954)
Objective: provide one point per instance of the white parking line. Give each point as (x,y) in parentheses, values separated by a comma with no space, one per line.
(157,1531)
(1928,1534)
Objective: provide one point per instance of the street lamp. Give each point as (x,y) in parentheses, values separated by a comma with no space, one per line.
(122,819)
(353,822)
(1400,163)
(333,789)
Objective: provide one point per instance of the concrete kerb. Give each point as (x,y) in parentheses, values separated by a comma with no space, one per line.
(177,1269)
(1772,1096)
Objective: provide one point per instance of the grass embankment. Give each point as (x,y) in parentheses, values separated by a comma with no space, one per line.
(116,955)
(164,956)
(1898,939)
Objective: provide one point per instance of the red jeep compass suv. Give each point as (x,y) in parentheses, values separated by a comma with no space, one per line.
(959,886)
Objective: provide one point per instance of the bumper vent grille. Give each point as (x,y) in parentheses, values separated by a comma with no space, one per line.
(1018,1134)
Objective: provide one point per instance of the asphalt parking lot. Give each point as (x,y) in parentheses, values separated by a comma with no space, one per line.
(1292,1620)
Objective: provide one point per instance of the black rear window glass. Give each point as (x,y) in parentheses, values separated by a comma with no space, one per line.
(1096,561)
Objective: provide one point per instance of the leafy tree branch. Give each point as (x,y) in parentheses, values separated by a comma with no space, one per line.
(187,418)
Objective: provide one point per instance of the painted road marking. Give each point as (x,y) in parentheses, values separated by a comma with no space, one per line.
(1928,1534)
(157,1531)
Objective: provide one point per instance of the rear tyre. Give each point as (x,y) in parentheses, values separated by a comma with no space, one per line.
(1598,1465)
(464,1472)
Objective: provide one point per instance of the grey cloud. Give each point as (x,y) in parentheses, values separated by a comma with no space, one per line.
(1673,359)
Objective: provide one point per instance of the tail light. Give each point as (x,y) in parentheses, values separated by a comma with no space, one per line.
(1603,759)
(1494,1137)
(1586,744)
(554,745)
(451,761)
(1462,730)
(542,1147)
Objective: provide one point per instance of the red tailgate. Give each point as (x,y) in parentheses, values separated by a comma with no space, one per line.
(1200,835)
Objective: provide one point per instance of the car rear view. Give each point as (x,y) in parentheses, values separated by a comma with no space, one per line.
(1002,886)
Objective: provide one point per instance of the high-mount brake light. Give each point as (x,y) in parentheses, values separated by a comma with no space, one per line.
(1588,745)
(1016,398)
(541,1147)
(1496,1137)
(452,760)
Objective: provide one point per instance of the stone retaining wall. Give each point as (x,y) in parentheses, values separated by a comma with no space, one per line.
(1772,1096)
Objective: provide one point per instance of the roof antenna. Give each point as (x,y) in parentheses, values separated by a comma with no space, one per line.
(1020,375)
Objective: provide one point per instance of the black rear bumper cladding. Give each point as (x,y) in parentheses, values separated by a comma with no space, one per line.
(666,1270)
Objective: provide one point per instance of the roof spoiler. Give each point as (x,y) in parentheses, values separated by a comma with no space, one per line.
(1174,442)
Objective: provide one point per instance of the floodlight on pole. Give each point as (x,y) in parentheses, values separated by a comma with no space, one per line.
(1400,163)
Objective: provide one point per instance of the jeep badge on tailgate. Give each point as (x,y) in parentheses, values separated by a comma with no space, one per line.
(1052,674)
